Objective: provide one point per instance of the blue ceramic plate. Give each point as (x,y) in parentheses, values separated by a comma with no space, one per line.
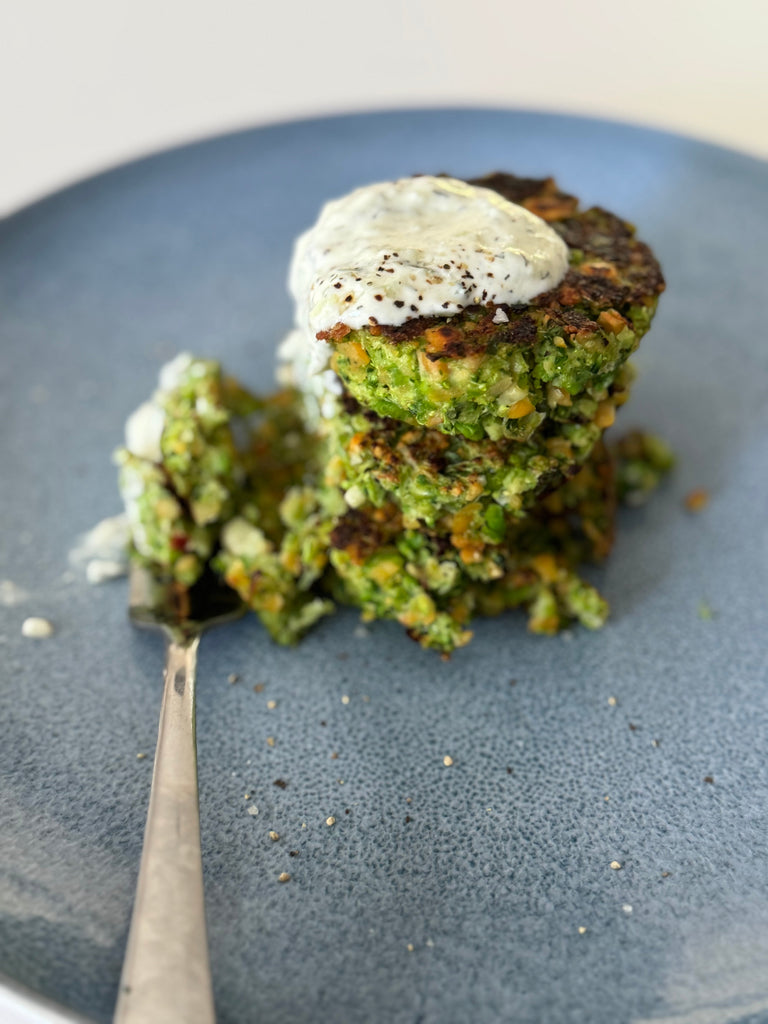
(481,891)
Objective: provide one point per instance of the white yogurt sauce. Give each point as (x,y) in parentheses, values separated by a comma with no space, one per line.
(426,246)
(317,382)
(144,427)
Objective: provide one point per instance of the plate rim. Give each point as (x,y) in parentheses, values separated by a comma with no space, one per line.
(12,994)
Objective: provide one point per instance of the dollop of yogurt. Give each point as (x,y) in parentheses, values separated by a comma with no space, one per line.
(425,246)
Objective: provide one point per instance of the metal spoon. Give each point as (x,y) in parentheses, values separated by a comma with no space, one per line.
(166,976)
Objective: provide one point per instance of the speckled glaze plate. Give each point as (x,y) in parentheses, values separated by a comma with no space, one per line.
(477,892)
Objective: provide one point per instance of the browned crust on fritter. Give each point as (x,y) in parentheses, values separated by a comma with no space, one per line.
(539,195)
(617,272)
(393,442)
(593,511)
(361,533)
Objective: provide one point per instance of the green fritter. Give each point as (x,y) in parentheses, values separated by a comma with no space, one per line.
(433,582)
(429,474)
(499,371)
(423,581)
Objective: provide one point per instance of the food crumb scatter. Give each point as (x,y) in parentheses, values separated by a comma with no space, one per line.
(271,741)
(258,688)
(696,500)
(36,628)
(656,743)
(582,930)
(253,810)
(665,874)
(627,908)
(612,702)
(345,699)
(284,877)
(615,865)
(709,779)
(140,756)
(274,836)
(330,821)
(447,760)
(103,552)
(233,677)
(705,612)
(271,704)
(334,755)
(100,570)
(11,593)
(429,943)
(409,947)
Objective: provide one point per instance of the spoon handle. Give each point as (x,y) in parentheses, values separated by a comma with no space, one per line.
(166,975)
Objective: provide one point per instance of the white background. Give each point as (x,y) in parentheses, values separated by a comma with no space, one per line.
(85,84)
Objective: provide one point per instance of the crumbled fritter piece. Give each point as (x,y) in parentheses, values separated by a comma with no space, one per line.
(642,461)
(430,473)
(280,454)
(177,500)
(164,536)
(276,581)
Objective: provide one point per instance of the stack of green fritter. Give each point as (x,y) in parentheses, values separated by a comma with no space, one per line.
(461,471)
(463,464)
